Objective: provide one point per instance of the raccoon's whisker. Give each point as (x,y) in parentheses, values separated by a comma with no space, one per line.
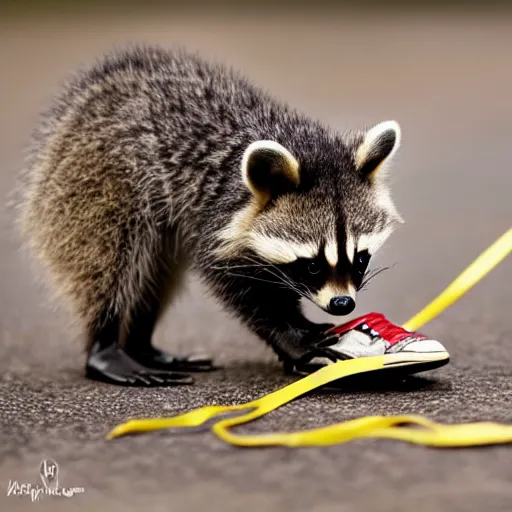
(253,264)
(256,263)
(286,282)
(228,267)
(281,281)
(272,269)
(286,279)
(371,275)
(255,278)
(375,272)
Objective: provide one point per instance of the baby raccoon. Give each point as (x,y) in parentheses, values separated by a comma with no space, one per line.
(153,162)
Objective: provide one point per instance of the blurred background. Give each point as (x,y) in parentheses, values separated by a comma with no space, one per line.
(441,69)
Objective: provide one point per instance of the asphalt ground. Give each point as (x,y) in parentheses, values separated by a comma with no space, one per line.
(447,80)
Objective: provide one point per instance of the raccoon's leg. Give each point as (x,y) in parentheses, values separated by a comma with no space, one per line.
(107,360)
(138,343)
(293,338)
(158,291)
(274,314)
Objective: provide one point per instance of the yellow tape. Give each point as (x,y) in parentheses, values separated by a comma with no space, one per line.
(262,405)
(489,259)
(408,428)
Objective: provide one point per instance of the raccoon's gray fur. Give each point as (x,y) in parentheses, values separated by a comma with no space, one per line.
(153,161)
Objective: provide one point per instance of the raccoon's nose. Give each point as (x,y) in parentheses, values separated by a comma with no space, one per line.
(343,305)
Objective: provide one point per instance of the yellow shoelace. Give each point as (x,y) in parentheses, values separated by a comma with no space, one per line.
(409,428)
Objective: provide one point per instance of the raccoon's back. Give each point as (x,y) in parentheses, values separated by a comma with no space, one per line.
(174,94)
(153,126)
(146,129)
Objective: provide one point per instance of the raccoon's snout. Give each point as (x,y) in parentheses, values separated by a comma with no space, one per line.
(343,305)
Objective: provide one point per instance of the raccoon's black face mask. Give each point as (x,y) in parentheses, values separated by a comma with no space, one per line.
(330,285)
(315,222)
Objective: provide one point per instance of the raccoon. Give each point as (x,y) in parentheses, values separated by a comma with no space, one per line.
(153,162)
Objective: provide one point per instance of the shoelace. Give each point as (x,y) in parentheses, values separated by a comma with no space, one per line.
(386,329)
(417,429)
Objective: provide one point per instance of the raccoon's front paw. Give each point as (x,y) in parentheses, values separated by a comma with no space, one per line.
(313,345)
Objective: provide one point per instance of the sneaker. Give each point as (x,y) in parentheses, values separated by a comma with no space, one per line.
(374,335)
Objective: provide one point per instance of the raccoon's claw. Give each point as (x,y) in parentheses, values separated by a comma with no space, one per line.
(157,359)
(114,366)
(307,365)
(315,345)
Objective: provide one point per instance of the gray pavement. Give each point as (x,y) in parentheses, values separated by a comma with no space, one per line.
(447,80)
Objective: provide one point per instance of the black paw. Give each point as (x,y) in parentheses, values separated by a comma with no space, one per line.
(314,345)
(114,366)
(157,359)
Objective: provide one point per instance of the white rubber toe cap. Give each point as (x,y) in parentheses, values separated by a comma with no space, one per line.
(425,346)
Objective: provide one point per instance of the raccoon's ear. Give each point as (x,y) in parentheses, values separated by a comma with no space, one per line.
(269,169)
(379,144)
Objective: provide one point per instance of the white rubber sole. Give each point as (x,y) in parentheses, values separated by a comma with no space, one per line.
(408,358)
(406,363)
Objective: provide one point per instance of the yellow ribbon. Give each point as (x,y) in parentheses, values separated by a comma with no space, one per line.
(408,428)
(489,259)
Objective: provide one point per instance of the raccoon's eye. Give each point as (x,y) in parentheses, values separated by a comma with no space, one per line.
(361,262)
(313,268)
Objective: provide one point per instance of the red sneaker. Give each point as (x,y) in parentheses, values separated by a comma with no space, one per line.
(374,335)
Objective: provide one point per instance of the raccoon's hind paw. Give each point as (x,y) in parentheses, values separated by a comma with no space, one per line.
(157,359)
(114,366)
